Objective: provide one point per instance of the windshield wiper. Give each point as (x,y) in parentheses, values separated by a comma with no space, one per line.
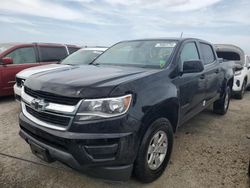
(92,63)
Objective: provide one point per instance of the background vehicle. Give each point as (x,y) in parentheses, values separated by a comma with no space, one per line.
(119,114)
(16,57)
(81,57)
(242,71)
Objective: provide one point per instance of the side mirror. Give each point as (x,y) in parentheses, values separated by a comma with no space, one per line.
(7,60)
(192,66)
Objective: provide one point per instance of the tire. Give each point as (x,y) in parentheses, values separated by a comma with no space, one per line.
(240,95)
(249,169)
(221,106)
(144,171)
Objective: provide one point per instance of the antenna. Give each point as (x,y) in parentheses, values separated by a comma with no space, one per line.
(181,34)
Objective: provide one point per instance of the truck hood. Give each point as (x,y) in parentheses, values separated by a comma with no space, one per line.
(86,81)
(33,70)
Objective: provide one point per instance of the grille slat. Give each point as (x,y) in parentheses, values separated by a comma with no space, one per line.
(51,97)
(49,118)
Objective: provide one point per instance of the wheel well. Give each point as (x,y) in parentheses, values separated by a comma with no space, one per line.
(169,111)
(245,79)
(230,82)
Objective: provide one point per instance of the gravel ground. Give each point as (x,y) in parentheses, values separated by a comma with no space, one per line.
(209,151)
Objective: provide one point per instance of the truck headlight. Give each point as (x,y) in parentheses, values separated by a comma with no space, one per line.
(237,73)
(103,108)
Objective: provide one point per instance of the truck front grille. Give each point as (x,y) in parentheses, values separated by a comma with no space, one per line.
(49,97)
(49,118)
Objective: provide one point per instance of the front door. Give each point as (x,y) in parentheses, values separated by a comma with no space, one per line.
(23,58)
(191,85)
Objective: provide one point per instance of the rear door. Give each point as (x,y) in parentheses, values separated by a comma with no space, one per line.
(191,85)
(51,54)
(23,57)
(212,71)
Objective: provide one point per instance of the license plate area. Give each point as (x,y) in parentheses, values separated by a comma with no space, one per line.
(40,152)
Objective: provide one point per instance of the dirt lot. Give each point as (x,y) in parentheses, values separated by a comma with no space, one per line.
(209,151)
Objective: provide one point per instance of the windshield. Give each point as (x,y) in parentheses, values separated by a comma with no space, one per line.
(4,47)
(150,53)
(81,57)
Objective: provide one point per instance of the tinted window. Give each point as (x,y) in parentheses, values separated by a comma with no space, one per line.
(189,52)
(48,53)
(151,53)
(207,52)
(23,55)
(72,49)
(230,56)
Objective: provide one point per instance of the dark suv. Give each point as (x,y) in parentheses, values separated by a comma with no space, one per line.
(118,114)
(16,57)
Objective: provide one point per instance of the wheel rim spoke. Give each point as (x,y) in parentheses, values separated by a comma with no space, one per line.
(161,149)
(157,150)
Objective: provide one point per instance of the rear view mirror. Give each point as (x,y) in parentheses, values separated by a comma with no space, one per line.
(7,60)
(192,66)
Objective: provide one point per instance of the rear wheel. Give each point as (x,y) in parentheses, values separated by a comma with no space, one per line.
(221,106)
(240,95)
(154,152)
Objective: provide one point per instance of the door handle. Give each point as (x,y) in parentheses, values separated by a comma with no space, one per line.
(202,76)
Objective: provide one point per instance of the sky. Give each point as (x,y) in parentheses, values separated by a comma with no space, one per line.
(105,22)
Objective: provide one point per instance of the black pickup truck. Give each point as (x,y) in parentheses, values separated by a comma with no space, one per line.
(117,116)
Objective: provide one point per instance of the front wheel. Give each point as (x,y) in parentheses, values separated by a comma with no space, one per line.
(221,106)
(154,152)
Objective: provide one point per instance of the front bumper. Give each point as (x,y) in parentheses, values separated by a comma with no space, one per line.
(106,156)
(17,91)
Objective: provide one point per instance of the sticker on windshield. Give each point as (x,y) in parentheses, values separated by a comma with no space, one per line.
(162,63)
(165,45)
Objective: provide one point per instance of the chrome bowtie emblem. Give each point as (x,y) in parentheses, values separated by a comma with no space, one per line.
(38,104)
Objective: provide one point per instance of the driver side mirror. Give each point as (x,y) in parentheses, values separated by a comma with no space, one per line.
(192,66)
(7,60)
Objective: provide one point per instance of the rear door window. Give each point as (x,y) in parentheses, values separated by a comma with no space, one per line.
(23,55)
(52,53)
(189,52)
(207,53)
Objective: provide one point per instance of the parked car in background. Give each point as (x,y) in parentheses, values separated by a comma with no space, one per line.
(242,66)
(118,114)
(81,57)
(16,57)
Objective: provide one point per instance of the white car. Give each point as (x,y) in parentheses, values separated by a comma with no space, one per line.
(242,67)
(80,57)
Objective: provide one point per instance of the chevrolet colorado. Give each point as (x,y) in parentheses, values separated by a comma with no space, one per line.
(117,116)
